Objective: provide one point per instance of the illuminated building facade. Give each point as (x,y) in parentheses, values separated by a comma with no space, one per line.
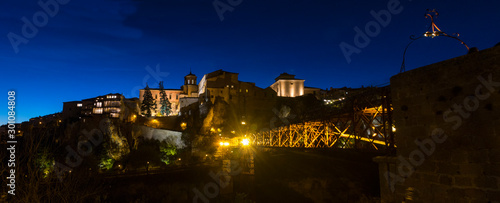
(227,86)
(286,85)
(111,105)
(244,98)
(187,95)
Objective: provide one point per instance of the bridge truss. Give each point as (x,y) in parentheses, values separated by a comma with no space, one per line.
(366,124)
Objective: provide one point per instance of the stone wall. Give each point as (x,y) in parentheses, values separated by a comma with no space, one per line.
(447,117)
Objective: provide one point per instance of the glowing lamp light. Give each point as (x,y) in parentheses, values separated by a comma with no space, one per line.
(245,142)
(393,129)
(226,143)
(221,143)
(243,123)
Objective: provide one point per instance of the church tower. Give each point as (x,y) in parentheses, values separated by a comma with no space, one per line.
(190,87)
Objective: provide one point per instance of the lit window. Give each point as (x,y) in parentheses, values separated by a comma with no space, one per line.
(79,105)
(247,90)
(99,104)
(98,111)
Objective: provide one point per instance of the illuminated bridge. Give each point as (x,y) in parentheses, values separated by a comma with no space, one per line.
(365,123)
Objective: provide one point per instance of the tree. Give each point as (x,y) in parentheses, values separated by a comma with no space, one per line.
(165,105)
(148,102)
(168,152)
(36,179)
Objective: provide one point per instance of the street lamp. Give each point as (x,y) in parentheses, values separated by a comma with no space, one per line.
(245,142)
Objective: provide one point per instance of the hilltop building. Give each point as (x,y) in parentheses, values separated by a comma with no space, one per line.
(246,100)
(111,105)
(286,85)
(186,95)
(227,86)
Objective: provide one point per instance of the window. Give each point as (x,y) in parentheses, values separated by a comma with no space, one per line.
(221,91)
(230,96)
(176,96)
(79,105)
(170,96)
(99,104)
(98,111)
(247,90)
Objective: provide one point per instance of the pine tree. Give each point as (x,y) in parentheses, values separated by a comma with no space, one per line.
(165,105)
(148,102)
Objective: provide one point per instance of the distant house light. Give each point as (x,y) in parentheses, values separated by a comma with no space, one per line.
(79,105)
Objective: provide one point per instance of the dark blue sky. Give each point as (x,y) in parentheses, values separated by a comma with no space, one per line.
(94,47)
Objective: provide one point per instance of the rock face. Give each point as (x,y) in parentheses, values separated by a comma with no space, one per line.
(171,137)
(118,144)
(216,116)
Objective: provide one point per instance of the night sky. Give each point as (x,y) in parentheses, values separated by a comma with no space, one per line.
(95,47)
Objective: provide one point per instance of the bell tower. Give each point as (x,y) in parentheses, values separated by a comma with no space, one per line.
(190,86)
